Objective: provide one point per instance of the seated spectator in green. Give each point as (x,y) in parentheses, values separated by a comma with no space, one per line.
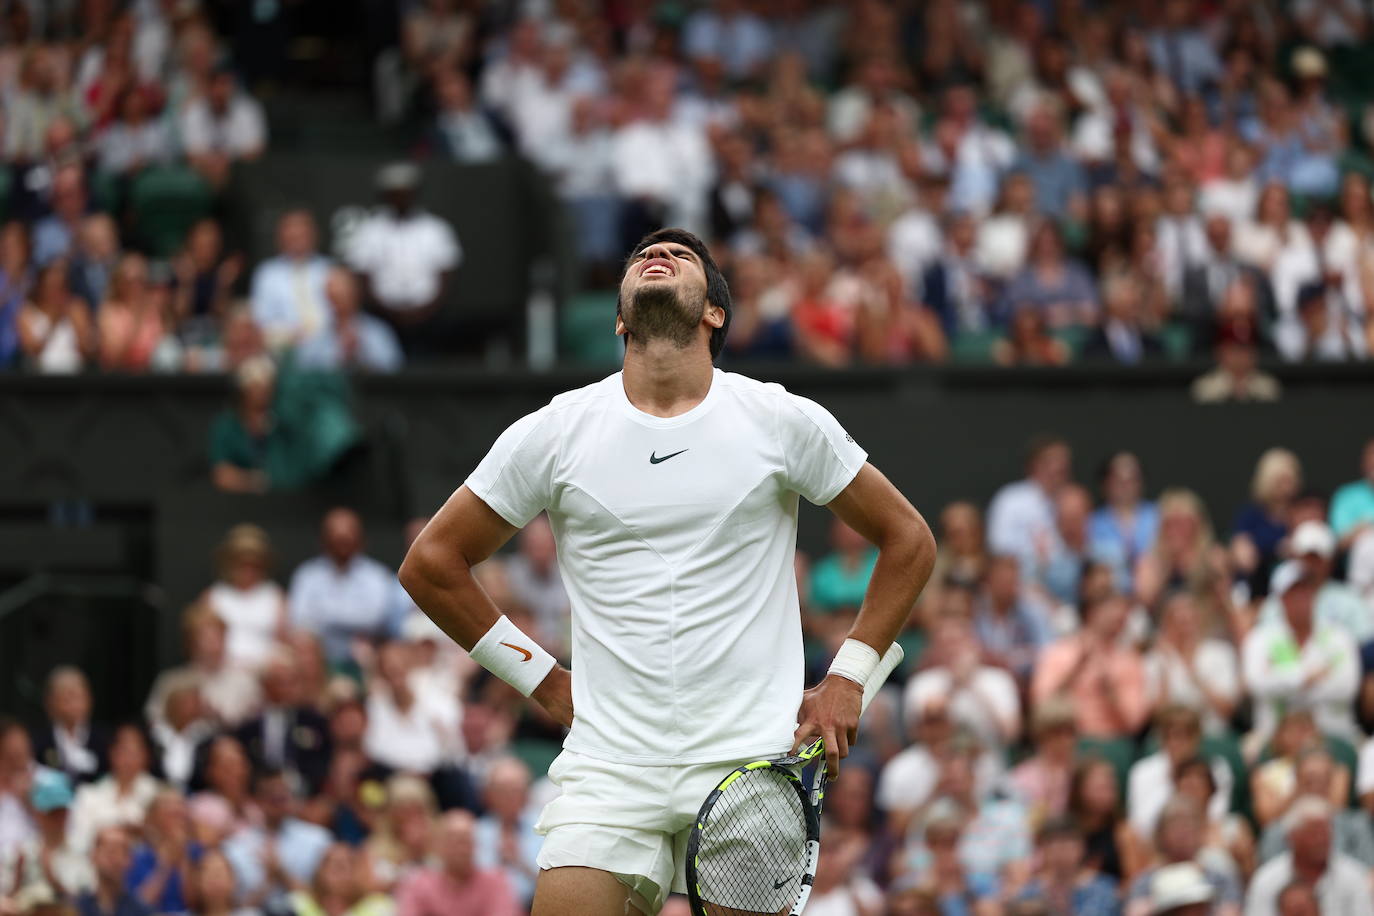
(1352,508)
(840,578)
(283,431)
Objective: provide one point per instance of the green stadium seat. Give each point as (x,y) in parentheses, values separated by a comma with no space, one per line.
(165,202)
(1074,337)
(585,329)
(535,753)
(974,347)
(1177,341)
(105,192)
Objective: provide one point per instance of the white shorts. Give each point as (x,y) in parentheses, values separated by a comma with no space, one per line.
(632,821)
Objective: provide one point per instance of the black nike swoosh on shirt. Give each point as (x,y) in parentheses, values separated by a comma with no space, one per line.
(654,459)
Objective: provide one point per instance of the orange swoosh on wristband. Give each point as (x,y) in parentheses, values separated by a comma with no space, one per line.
(525,652)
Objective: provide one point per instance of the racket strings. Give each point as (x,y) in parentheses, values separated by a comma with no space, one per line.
(753,851)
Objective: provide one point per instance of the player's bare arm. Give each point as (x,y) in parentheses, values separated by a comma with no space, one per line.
(437,572)
(876,509)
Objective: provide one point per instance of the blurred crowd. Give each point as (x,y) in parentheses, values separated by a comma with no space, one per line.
(885,181)
(1021,182)
(1110,705)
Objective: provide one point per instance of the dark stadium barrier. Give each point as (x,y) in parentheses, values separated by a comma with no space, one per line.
(107,474)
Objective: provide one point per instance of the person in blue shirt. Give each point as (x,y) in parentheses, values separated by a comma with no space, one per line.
(1063,881)
(353,339)
(1352,508)
(111,857)
(1262,524)
(1126,524)
(159,874)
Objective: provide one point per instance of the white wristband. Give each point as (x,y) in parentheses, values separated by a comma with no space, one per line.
(512,656)
(855,661)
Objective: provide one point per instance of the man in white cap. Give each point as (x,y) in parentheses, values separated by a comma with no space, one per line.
(1341,883)
(404,254)
(1313,544)
(1180,889)
(1299,661)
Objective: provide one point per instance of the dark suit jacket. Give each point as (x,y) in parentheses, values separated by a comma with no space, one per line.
(1098,346)
(935,294)
(97,741)
(1199,303)
(307,748)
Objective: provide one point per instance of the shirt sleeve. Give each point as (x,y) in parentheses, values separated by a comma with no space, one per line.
(516,476)
(820,458)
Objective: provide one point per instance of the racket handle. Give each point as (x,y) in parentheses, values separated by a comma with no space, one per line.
(890,660)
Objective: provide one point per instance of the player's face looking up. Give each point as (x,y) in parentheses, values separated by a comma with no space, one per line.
(663,296)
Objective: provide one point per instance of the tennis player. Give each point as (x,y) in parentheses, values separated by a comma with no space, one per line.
(672,490)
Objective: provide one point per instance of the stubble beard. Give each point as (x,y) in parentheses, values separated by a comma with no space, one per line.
(658,312)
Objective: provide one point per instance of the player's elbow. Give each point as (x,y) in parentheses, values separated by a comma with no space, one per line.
(910,540)
(424,568)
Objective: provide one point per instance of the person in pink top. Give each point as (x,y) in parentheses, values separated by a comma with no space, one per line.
(131,321)
(1104,679)
(456,887)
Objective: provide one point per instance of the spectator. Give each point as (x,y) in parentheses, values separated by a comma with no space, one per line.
(228,692)
(136,138)
(582,165)
(1058,180)
(212,885)
(1228,842)
(399,844)
(120,798)
(352,339)
(464,130)
(1342,883)
(1059,289)
(726,29)
(1274,783)
(839,580)
(1060,575)
(1351,834)
(1021,514)
(840,885)
(43,95)
(1062,879)
(1270,231)
(875,81)
(1262,525)
(1325,326)
(963,557)
(1122,336)
(981,698)
(405,255)
(132,322)
(111,858)
(18,771)
(1298,899)
(94,259)
(288,290)
(16,276)
(281,855)
(1181,888)
(160,872)
(1105,680)
(178,729)
(288,737)
(1042,781)
(1184,554)
(71,743)
(537,583)
(1011,628)
(1004,237)
(340,887)
(1300,662)
(505,837)
(910,781)
(1126,523)
(662,167)
(1206,281)
(1095,806)
(1188,669)
(54,236)
(417,732)
(342,594)
(223,127)
(252,606)
(48,861)
(1352,507)
(1338,605)
(457,886)
(1152,780)
(225,777)
(205,275)
(56,335)
(953,286)
(1182,51)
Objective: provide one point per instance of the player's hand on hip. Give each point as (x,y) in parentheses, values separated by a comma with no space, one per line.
(830,711)
(554,693)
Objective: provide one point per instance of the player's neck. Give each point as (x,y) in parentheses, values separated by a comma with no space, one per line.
(664,381)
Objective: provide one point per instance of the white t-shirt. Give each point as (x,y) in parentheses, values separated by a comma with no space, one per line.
(251,618)
(404,258)
(990,690)
(676,538)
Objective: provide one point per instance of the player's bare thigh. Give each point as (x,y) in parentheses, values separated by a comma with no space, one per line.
(576,891)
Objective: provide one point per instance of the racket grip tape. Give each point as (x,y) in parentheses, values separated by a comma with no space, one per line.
(890,660)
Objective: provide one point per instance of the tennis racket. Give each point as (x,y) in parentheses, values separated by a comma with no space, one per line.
(756,840)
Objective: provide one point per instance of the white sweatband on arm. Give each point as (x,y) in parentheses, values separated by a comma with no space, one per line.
(512,656)
(855,661)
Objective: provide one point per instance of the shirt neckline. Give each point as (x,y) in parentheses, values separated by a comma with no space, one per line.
(682,419)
